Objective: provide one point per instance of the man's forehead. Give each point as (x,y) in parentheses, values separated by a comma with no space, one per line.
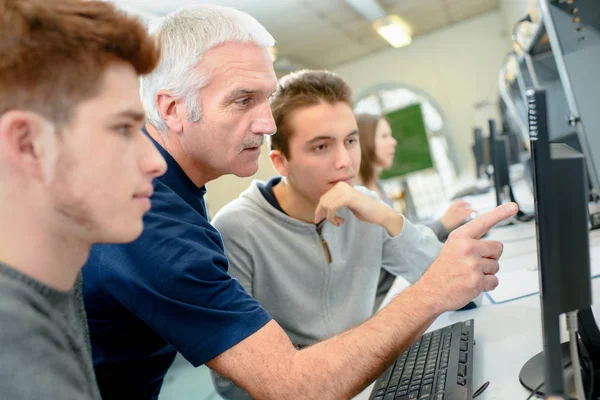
(233,60)
(256,85)
(116,102)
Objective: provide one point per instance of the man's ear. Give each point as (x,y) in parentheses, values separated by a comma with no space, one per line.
(29,141)
(170,110)
(279,161)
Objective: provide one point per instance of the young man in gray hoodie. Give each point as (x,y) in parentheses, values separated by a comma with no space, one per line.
(309,245)
(75,170)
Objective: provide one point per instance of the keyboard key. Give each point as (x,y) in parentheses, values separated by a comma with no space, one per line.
(464,346)
(439,396)
(461,381)
(462,370)
(425,391)
(389,396)
(413,395)
(381,392)
(466,327)
(427,381)
(462,358)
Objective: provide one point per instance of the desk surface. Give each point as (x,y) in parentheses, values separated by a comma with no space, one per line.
(508,334)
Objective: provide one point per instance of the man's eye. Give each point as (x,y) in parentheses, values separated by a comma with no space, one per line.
(125,129)
(243,102)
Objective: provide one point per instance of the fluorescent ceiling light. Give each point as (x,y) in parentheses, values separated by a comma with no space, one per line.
(369,9)
(393,29)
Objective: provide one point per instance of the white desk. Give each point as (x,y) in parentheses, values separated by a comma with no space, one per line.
(506,335)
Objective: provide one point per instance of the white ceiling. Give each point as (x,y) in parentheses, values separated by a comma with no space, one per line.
(327,33)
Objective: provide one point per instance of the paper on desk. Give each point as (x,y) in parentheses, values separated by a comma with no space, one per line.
(524,281)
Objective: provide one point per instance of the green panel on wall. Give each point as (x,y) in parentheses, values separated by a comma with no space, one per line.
(412,152)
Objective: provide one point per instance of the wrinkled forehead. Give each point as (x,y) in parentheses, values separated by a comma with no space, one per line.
(233,65)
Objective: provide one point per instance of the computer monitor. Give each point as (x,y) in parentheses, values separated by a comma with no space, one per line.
(500,160)
(560,195)
(572,140)
(481,152)
(514,147)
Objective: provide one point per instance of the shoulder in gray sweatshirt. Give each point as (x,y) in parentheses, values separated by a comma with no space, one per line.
(284,263)
(43,336)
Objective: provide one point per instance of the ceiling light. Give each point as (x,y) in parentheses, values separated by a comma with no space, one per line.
(393,29)
(369,9)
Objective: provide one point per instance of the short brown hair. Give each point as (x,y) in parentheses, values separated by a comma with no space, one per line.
(302,89)
(367,126)
(53,53)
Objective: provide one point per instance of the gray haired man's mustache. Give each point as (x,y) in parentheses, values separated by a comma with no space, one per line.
(253,143)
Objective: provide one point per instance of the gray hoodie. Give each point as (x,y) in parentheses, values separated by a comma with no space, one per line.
(284,263)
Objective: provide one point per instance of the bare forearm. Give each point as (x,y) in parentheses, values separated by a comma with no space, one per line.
(268,367)
(341,367)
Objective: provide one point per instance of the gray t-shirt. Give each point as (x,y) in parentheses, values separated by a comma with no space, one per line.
(44,342)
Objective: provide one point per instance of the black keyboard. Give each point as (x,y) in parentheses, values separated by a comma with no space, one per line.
(439,366)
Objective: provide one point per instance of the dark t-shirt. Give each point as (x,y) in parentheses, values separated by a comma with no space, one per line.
(168,291)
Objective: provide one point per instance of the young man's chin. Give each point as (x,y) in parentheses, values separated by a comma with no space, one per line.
(125,234)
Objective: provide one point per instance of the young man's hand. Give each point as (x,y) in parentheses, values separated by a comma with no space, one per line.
(456,214)
(365,208)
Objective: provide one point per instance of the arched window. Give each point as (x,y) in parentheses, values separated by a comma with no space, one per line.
(427,188)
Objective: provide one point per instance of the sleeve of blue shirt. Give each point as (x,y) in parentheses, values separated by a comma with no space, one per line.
(174,278)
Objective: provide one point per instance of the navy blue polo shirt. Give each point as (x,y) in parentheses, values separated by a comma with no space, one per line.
(167,292)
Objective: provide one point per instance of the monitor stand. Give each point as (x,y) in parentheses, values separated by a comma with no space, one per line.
(532,373)
(520,216)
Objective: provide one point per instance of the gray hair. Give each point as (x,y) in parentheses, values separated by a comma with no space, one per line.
(185,36)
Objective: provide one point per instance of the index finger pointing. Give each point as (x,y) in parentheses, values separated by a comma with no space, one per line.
(477,227)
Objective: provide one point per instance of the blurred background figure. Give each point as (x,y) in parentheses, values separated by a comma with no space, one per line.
(378,148)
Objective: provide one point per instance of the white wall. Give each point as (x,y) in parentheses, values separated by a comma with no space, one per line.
(458,66)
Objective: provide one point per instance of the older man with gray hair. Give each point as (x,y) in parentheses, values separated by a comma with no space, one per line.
(208,112)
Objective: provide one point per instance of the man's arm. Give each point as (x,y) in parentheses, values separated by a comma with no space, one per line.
(410,254)
(267,365)
(364,207)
